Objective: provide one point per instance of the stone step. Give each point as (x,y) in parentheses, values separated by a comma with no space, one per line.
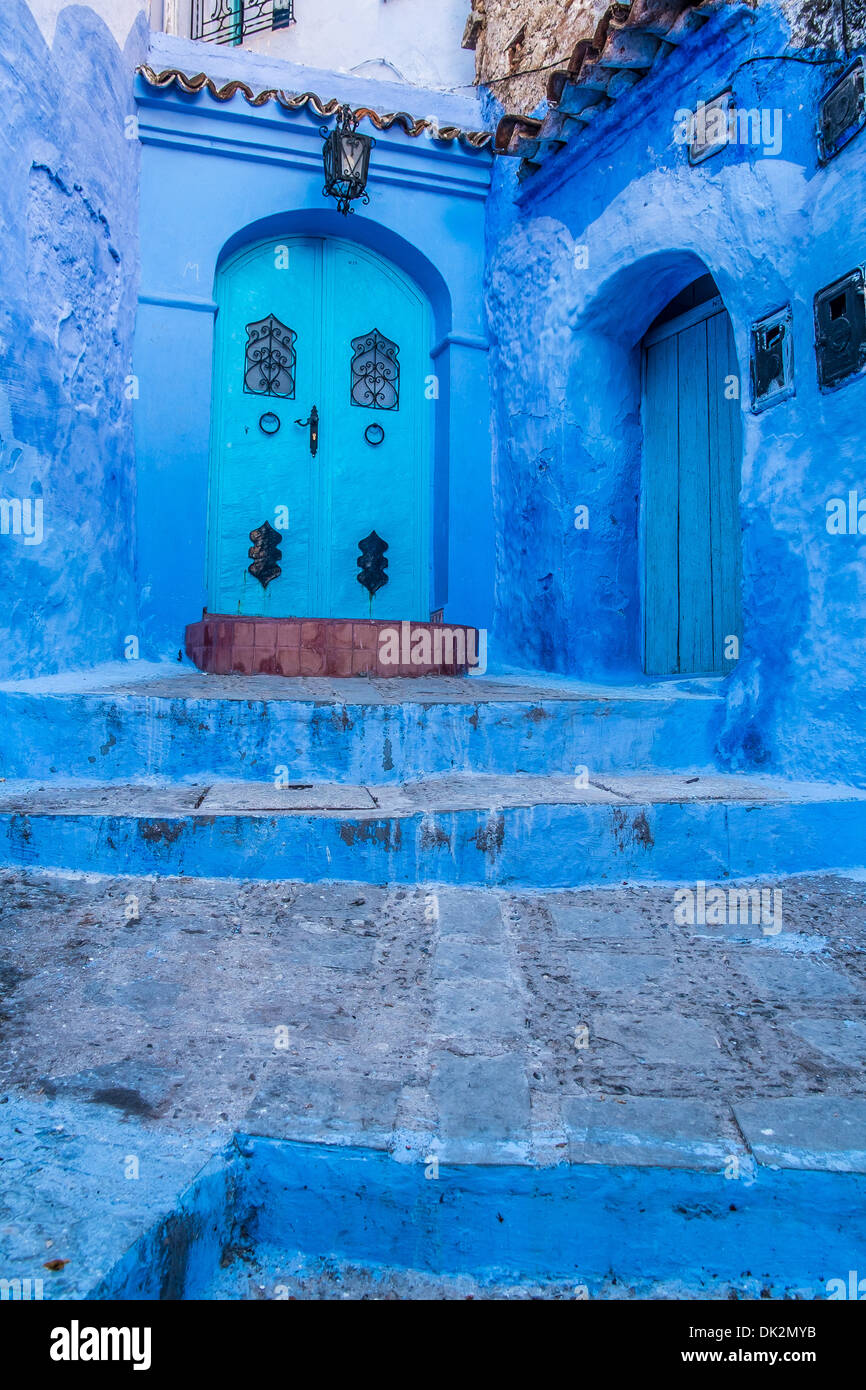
(534,831)
(132,723)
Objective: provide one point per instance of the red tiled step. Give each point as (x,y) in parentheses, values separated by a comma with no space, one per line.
(222,644)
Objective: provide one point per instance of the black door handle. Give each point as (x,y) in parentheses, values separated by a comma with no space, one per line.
(313,422)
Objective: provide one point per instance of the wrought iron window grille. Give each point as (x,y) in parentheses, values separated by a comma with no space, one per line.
(231,21)
(375,372)
(269,360)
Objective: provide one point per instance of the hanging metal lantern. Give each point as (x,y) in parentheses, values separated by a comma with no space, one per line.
(346,156)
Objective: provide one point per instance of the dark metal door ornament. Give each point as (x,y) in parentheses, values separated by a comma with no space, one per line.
(372,563)
(313,421)
(374,434)
(270,359)
(375,372)
(265,554)
(269,423)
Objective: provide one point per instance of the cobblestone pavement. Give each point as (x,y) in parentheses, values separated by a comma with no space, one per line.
(478,1025)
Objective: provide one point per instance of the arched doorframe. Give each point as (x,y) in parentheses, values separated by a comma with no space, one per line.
(611,321)
(326,222)
(691,478)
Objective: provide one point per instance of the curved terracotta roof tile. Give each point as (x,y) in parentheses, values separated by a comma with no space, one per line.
(169,77)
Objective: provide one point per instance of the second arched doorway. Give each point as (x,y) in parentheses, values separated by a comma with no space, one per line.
(691,485)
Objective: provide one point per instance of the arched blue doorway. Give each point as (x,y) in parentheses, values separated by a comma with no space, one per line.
(692,432)
(321,436)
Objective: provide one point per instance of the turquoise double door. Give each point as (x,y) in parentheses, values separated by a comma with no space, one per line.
(692,532)
(320,473)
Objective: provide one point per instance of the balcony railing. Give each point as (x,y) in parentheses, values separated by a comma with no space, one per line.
(230,21)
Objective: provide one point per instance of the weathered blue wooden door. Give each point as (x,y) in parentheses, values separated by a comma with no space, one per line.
(323,332)
(692,451)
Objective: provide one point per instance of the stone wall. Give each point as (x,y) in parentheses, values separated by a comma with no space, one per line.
(549,30)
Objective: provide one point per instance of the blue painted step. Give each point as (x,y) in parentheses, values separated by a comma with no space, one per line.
(191,727)
(531,832)
(572,1225)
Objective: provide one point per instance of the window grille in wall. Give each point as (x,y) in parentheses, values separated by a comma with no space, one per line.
(375,372)
(230,21)
(269,368)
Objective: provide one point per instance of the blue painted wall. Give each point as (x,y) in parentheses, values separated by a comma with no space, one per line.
(217,176)
(68,259)
(566,369)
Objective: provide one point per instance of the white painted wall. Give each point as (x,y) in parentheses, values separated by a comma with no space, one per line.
(417,41)
(119,15)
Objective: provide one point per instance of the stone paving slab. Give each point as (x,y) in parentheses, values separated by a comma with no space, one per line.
(651,1131)
(670,1039)
(465,916)
(340,1104)
(483,1108)
(801,978)
(573,922)
(99,798)
(815,1132)
(158,1016)
(227,798)
(842,1039)
(458,959)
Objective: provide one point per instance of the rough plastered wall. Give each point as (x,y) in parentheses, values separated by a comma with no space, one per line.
(581,259)
(68,252)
